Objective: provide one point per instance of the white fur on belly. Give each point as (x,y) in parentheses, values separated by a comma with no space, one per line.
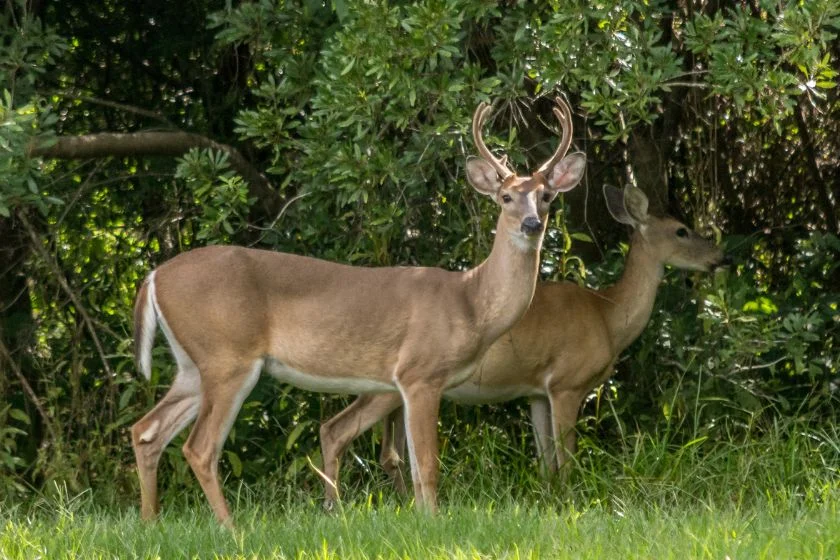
(476,393)
(320,384)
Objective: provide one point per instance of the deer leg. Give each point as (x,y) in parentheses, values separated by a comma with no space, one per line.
(564,412)
(339,431)
(152,433)
(393,445)
(421,403)
(220,403)
(542,426)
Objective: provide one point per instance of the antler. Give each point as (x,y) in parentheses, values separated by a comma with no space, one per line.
(478,121)
(564,115)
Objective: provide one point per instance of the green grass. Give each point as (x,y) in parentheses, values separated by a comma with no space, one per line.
(772,496)
(504,530)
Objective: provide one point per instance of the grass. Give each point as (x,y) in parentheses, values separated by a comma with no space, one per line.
(504,530)
(774,496)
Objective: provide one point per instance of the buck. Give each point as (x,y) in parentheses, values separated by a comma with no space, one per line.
(564,346)
(228,313)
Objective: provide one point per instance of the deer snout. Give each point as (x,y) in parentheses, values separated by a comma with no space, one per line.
(531,225)
(717,260)
(724,261)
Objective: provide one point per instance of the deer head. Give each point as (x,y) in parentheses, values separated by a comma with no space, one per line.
(669,240)
(525,200)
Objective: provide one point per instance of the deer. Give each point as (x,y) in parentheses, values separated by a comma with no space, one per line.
(565,345)
(230,313)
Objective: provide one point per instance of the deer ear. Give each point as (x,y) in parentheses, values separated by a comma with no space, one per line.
(615,204)
(636,203)
(567,173)
(483,177)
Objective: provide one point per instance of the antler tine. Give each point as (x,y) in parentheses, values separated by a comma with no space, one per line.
(564,115)
(500,166)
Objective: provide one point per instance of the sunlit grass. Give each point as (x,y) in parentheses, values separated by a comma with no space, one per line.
(502,530)
(776,496)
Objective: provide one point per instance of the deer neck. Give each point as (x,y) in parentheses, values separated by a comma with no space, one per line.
(628,303)
(503,285)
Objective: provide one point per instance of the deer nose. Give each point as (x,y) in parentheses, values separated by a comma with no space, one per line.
(531,225)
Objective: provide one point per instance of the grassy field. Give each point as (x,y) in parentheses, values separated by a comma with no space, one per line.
(768,529)
(772,497)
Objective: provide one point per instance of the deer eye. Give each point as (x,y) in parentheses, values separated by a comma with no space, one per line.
(547,197)
(682,232)
(506,198)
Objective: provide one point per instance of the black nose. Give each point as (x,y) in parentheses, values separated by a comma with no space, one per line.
(531,225)
(725,261)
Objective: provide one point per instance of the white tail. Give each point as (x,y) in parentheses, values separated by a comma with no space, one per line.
(564,346)
(230,312)
(145,325)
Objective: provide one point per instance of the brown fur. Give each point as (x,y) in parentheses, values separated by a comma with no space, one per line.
(350,329)
(563,347)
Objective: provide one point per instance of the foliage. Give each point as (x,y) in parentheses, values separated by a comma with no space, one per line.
(221,195)
(27,49)
(18,128)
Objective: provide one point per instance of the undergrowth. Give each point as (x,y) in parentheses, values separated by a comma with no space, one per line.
(772,496)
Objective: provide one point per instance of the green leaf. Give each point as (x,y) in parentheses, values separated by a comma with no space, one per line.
(348,67)
(295,434)
(761,304)
(20,415)
(235,463)
(340,7)
(125,397)
(696,441)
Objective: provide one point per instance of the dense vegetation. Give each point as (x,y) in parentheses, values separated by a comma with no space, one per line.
(340,130)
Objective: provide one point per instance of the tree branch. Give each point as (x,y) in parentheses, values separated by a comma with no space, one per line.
(152,143)
(119,106)
(6,356)
(38,246)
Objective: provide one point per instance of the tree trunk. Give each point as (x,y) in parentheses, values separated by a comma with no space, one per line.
(810,153)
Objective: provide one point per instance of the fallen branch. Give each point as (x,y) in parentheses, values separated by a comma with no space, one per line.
(150,143)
